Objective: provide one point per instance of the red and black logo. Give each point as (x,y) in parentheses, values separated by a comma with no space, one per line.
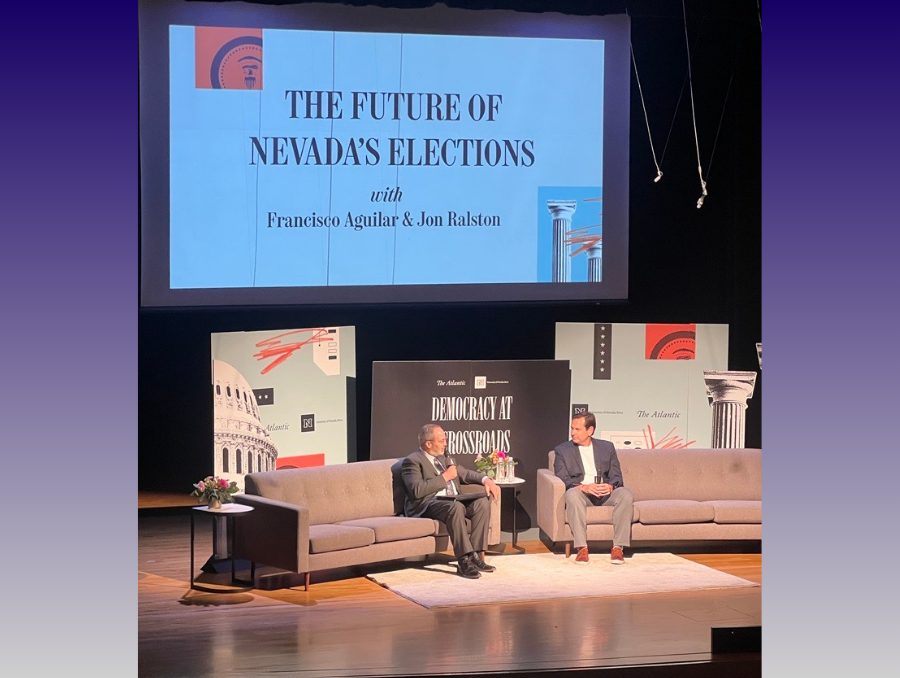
(670,342)
(228,58)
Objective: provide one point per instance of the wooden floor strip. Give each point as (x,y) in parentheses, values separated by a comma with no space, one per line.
(346,625)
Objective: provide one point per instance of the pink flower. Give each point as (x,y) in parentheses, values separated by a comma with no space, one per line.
(201,486)
(223,482)
(501,454)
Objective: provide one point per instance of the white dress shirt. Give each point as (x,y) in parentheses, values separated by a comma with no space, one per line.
(587,460)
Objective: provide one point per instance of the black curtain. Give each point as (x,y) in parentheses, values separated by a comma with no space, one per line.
(686,264)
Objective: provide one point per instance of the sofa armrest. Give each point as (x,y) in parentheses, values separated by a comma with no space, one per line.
(494,529)
(551,505)
(275,533)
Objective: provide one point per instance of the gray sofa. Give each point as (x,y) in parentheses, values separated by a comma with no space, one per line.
(312,519)
(679,495)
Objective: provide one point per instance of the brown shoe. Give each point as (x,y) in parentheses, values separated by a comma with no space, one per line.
(617,556)
(582,558)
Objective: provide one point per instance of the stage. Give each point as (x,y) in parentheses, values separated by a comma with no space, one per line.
(347,625)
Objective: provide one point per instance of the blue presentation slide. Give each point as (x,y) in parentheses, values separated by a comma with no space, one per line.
(314,158)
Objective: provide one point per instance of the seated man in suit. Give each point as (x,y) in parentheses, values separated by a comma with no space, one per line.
(427,473)
(590,470)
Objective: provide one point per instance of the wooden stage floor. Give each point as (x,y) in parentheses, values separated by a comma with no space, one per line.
(347,625)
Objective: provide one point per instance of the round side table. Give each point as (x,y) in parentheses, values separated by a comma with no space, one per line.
(228,513)
(513,484)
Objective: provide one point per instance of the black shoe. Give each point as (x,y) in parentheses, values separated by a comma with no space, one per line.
(480,564)
(465,567)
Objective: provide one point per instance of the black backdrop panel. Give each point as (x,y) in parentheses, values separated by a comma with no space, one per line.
(519,406)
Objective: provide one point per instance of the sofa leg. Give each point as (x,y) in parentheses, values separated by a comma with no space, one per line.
(568,549)
(306,583)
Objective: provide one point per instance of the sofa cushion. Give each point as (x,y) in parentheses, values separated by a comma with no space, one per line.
(394,528)
(693,474)
(698,474)
(675,511)
(325,538)
(362,489)
(736,512)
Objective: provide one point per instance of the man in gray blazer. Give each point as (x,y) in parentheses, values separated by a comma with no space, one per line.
(590,470)
(428,474)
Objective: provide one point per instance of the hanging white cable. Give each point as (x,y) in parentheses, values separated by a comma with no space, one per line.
(646,119)
(724,105)
(678,105)
(693,112)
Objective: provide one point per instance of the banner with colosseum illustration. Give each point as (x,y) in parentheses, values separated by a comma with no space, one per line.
(283,399)
(644,382)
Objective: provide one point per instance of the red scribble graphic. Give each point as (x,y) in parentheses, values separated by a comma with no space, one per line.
(273,349)
(300,461)
(585,237)
(667,442)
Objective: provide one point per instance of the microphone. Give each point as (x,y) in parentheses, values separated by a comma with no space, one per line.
(451,488)
(658,175)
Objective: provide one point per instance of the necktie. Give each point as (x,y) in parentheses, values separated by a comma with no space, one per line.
(451,489)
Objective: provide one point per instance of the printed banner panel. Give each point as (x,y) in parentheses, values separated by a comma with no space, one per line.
(518,406)
(323,158)
(280,399)
(644,382)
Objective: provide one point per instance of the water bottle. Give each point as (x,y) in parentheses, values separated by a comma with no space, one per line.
(510,468)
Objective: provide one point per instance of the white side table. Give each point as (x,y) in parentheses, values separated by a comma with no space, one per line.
(513,484)
(228,513)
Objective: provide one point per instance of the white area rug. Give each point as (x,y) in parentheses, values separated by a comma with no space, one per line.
(542,576)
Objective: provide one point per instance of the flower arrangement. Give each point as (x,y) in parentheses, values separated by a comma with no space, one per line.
(487,464)
(214,490)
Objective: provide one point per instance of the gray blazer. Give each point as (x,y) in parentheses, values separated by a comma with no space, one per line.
(568,467)
(422,481)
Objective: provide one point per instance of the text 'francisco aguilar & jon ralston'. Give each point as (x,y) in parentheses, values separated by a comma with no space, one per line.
(379,219)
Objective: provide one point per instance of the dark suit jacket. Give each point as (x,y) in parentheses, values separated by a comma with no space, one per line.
(422,481)
(568,467)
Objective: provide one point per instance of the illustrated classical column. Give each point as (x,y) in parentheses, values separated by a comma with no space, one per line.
(561,211)
(730,392)
(595,263)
